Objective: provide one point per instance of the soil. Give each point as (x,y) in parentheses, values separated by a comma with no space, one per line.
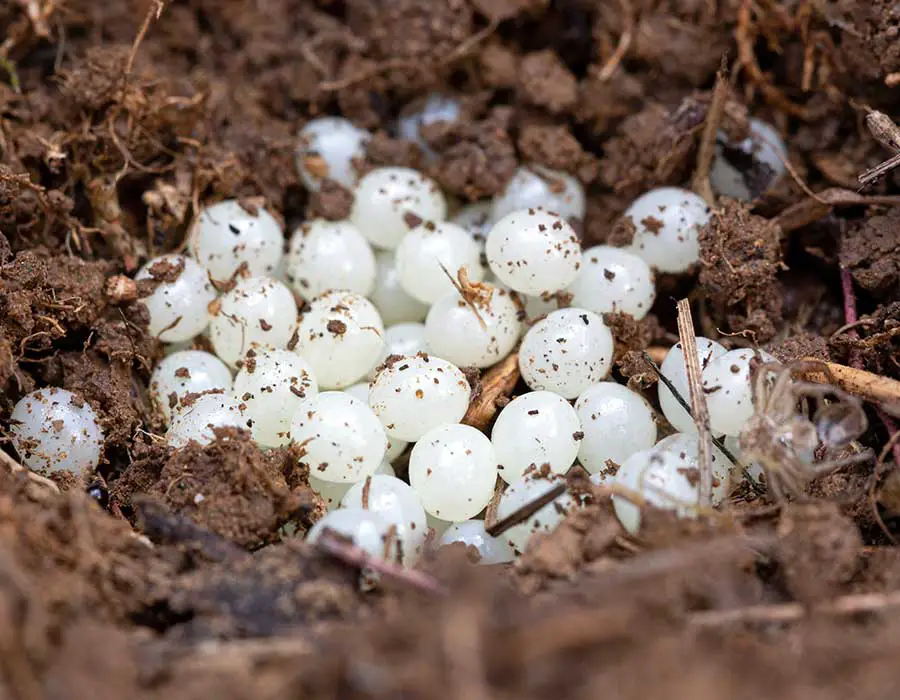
(179,574)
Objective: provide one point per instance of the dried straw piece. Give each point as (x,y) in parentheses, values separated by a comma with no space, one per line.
(699,411)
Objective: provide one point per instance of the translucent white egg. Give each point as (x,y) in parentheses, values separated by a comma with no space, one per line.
(271,385)
(667,225)
(539,306)
(566,352)
(533,251)
(342,440)
(402,339)
(56,430)
(453,469)
(342,337)
(395,447)
(674,369)
(333,492)
(664,482)
(186,372)
(431,251)
(436,525)
(534,186)
(523,492)
(437,108)
(396,503)
(536,429)
(414,394)
(226,236)
(392,302)
(491,550)
(454,331)
(613,279)
(197,420)
(389,202)
(763,148)
(365,528)
(327,148)
(616,422)
(729,390)
(686,447)
(179,304)
(476,219)
(258,314)
(326,255)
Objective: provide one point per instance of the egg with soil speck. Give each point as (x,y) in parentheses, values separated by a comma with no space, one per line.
(340,438)
(667,224)
(56,430)
(327,148)
(413,394)
(453,469)
(179,302)
(227,237)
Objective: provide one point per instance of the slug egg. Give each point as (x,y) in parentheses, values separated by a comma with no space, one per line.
(612,279)
(431,251)
(728,386)
(746,169)
(388,202)
(178,305)
(686,446)
(328,148)
(453,470)
(227,236)
(326,255)
(341,336)
(537,187)
(389,297)
(332,492)
(616,421)
(395,502)
(198,419)
(341,439)
(674,369)
(663,479)
(667,223)
(364,528)
(412,395)
(56,430)
(533,251)
(566,352)
(259,313)
(186,372)
(536,429)
(436,108)
(473,337)
(272,384)
(525,491)
(491,550)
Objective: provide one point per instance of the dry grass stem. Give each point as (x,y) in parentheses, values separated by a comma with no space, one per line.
(497,384)
(707,151)
(699,411)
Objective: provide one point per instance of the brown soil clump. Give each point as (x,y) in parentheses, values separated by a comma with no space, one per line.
(232,488)
(741,256)
(871,249)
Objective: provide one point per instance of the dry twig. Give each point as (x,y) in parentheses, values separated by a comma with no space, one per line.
(700,182)
(497,383)
(809,210)
(858,382)
(332,544)
(793,612)
(14,467)
(522,514)
(887,133)
(698,398)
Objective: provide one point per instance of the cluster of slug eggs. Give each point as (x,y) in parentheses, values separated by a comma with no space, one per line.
(378,286)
